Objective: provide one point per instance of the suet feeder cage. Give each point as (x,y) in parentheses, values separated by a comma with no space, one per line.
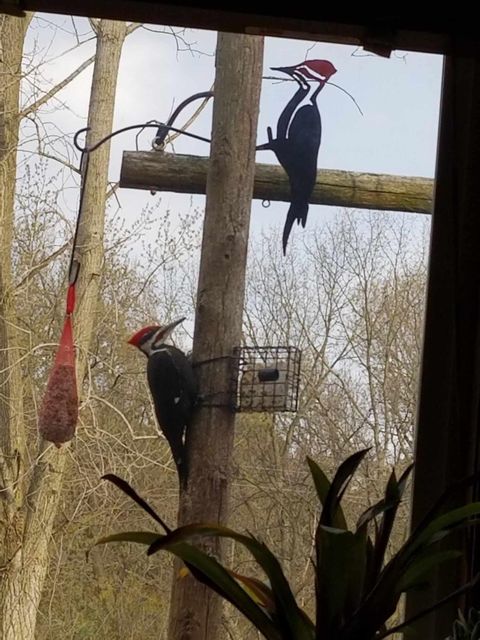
(267,379)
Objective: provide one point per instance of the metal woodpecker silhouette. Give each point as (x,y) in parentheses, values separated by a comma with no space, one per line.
(299,132)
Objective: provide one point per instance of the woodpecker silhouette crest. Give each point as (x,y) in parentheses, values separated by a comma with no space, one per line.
(299,133)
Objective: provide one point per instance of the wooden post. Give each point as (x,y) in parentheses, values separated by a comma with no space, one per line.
(195,612)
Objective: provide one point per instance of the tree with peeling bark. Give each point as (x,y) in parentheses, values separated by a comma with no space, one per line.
(31,490)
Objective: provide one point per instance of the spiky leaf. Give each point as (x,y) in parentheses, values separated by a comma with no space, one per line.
(291,618)
(131,493)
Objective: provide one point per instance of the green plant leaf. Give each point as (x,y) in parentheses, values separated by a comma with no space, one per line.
(387,507)
(440,603)
(393,496)
(291,618)
(476,632)
(440,525)
(381,601)
(361,551)
(339,485)
(392,500)
(322,486)
(140,537)
(330,495)
(456,488)
(415,575)
(382,505)
(339,577)
(131,493)
(257,590)
(371,513)
(209,571)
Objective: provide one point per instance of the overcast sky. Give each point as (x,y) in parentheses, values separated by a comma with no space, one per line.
(399,97)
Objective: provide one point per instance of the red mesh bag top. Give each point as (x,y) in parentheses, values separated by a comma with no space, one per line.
(58,413)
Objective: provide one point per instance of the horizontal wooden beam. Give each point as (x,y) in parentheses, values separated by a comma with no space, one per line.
(158,171)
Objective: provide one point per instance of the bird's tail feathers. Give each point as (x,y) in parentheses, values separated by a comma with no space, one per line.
(297,211)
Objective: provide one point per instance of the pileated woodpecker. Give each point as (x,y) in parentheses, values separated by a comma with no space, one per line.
(172,385)
(298,138)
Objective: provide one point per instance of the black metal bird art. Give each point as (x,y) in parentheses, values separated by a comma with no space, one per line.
(299,132)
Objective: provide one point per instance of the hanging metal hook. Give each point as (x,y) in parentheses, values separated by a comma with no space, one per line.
(163,129)
(74,267)
(143,125)
(162,132)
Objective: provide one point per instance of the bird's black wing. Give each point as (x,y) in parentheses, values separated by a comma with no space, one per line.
(173,388)
(303,142)
(187,383)
(299,159)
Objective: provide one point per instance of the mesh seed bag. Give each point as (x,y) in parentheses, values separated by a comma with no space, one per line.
(58,413)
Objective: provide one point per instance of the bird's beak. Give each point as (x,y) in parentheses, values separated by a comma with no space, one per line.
(172,325)
(287,70)
(160,331)
(167,329)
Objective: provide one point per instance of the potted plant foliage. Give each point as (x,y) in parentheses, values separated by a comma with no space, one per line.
(466,628)
(357,588)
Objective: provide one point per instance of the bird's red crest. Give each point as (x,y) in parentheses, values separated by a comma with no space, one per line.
(321,67)
(137,338)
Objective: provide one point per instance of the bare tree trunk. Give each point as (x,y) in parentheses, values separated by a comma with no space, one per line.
(195,611)
(25,572)
(12,444)
(12,436)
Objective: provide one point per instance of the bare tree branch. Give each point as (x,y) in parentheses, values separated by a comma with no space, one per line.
(133,26)
(58,87)
(41,265)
